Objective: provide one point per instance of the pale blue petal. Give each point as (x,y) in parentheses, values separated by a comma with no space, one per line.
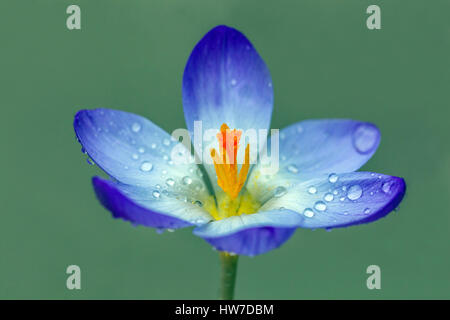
(151,208)
(133,150)
(339,200)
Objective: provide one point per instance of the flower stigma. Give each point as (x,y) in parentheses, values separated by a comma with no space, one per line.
(231,203)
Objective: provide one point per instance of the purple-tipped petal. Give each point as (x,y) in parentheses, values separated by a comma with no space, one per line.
(341,200)
(328,145)
(143,207)
(132,149)
(251,234)
(226,81)
(317,146)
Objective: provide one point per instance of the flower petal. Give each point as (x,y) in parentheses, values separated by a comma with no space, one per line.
(328,145)
(251,234)
(316,146)
(331,201)
(140,206)
(226,81)
(132,149)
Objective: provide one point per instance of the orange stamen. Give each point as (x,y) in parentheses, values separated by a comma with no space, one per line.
(225,163)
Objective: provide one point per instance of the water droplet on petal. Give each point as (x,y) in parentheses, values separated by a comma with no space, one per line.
(332,178)
(342,199)
(156,194)
(386,187)
(328,197)
(153,146)
(365,138)
(141,150)
(198,203)
(292,168)
(170,182)
(186,180)
(308,213)
(146,166)
(354,192)
(312,190)
(166,142)
(135,156)
(233,82)
(366,210)
(279,192)
(136,127)
(320,206)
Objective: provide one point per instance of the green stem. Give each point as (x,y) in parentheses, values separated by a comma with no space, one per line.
(228,276)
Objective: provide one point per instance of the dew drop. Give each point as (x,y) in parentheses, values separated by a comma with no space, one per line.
(354,192)
(141,150)
(312,190)
(233,82)
(136,127)
(328,197)
(386,187)
(320,206)
(156,194)
(198,203)
(279,192)
(153,146)
(332,178)
(134,156)
(166,142)
(146,166)
(170,182)
(366,210)
(365,138)
(292,168)
(308,213)
(186,180)
(342,199)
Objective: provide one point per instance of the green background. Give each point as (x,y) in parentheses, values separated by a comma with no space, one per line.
(130,55)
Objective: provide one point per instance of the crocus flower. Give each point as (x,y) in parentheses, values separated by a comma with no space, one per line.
(236,207)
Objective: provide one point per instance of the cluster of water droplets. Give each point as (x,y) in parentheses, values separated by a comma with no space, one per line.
(187,189)
(342,193)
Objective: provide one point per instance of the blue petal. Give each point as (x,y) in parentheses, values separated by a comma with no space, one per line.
(251,234)
(328,145)
(141,207)
(131,149)
(226,81)
(331,201)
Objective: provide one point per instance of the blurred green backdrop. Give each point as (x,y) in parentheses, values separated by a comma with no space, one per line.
(130,55)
